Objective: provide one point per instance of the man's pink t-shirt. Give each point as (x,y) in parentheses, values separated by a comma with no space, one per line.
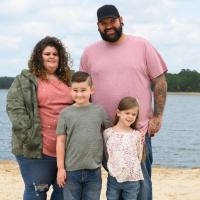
(124,69)
(53,96)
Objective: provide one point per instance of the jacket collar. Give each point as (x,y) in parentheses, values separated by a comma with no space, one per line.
(29,75)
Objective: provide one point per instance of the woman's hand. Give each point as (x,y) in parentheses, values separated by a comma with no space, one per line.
(61,177)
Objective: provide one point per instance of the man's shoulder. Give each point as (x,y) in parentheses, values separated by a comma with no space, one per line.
(137,39)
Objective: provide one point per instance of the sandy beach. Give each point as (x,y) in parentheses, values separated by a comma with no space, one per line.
(168,183)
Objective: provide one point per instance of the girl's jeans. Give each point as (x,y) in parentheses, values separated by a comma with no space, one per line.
(127,190)
(83,185)
(38,176)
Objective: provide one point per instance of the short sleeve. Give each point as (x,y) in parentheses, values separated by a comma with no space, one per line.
(155,63)
(83,63)
(106,134)
(61,125)
(106,120)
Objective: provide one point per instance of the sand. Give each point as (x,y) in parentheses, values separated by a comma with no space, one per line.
(168,183)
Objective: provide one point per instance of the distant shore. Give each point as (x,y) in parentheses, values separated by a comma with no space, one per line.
(168,183)
(183,93)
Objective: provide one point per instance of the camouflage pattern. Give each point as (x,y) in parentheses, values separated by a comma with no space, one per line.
(22,109)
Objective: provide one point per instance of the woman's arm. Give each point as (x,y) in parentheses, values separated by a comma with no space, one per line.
(16,109)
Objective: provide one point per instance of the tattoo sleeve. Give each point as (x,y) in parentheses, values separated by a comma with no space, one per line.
(160,93)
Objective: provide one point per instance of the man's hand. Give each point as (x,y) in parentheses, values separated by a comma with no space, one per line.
(154,125)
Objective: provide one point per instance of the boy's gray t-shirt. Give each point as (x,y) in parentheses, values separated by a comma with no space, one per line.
(82,125)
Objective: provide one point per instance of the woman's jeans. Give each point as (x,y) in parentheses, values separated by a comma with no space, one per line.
(127,190)
(38,176)
(146,185)
(83,185)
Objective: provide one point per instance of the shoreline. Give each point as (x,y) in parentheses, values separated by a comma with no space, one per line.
(170,93)
(184,93)
(169,167)
(168,183)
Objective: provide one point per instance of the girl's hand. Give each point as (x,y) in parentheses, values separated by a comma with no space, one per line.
(61,177)
(143,138)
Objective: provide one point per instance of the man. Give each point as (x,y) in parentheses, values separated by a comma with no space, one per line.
(123,65)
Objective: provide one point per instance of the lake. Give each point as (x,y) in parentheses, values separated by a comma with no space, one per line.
(176,145)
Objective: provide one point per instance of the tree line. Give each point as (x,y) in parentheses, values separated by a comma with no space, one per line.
(184,81)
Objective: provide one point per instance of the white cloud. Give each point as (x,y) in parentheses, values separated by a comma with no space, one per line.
(151,11)
(171,26)
(11,7)
(35,28)
(71,18)
(174,32)
(168,2)
(185,33)
(9,42)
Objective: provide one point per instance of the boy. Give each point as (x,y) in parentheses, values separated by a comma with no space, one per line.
(80,143)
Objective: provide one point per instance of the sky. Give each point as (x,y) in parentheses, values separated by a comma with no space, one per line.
(171,26)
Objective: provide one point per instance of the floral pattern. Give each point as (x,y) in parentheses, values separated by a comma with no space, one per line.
(124,154)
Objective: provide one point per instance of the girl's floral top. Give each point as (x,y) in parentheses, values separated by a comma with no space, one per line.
(124,154)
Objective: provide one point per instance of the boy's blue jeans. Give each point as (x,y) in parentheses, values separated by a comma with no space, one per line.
(38,176)
(83,185)
(146,185)
(127,190)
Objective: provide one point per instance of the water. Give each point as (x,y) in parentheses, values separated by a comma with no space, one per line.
(178,142)
(5,129)
(176,145)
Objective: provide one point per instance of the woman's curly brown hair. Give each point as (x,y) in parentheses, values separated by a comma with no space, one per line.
(35,62)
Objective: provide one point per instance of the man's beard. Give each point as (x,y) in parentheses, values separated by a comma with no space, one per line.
(111,38)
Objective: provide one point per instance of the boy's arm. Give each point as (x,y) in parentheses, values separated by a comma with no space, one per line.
(106,121)
(60,154)
(105,152)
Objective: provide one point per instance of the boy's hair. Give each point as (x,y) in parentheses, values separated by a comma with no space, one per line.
(125,104)
(79,77)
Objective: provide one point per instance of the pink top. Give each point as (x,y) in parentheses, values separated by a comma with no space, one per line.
(53,96)
(120,70)
(124,154)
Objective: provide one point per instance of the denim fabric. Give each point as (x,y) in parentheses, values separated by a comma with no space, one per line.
(83,185)
(146,185)
(127,190)
(38,176)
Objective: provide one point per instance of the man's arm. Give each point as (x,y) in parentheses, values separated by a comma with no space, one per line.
(160,93)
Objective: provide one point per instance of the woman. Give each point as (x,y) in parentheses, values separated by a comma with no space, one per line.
(34,102)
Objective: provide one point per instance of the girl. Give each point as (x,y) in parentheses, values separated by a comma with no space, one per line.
(124,152)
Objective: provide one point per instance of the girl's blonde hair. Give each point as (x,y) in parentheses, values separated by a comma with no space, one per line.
(125,104)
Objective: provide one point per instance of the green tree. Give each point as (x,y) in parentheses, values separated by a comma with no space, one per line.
(5,82)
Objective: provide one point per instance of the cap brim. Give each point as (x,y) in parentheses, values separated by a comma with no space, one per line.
(108,16)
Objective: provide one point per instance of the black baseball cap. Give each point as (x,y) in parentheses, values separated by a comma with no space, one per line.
(107,11)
